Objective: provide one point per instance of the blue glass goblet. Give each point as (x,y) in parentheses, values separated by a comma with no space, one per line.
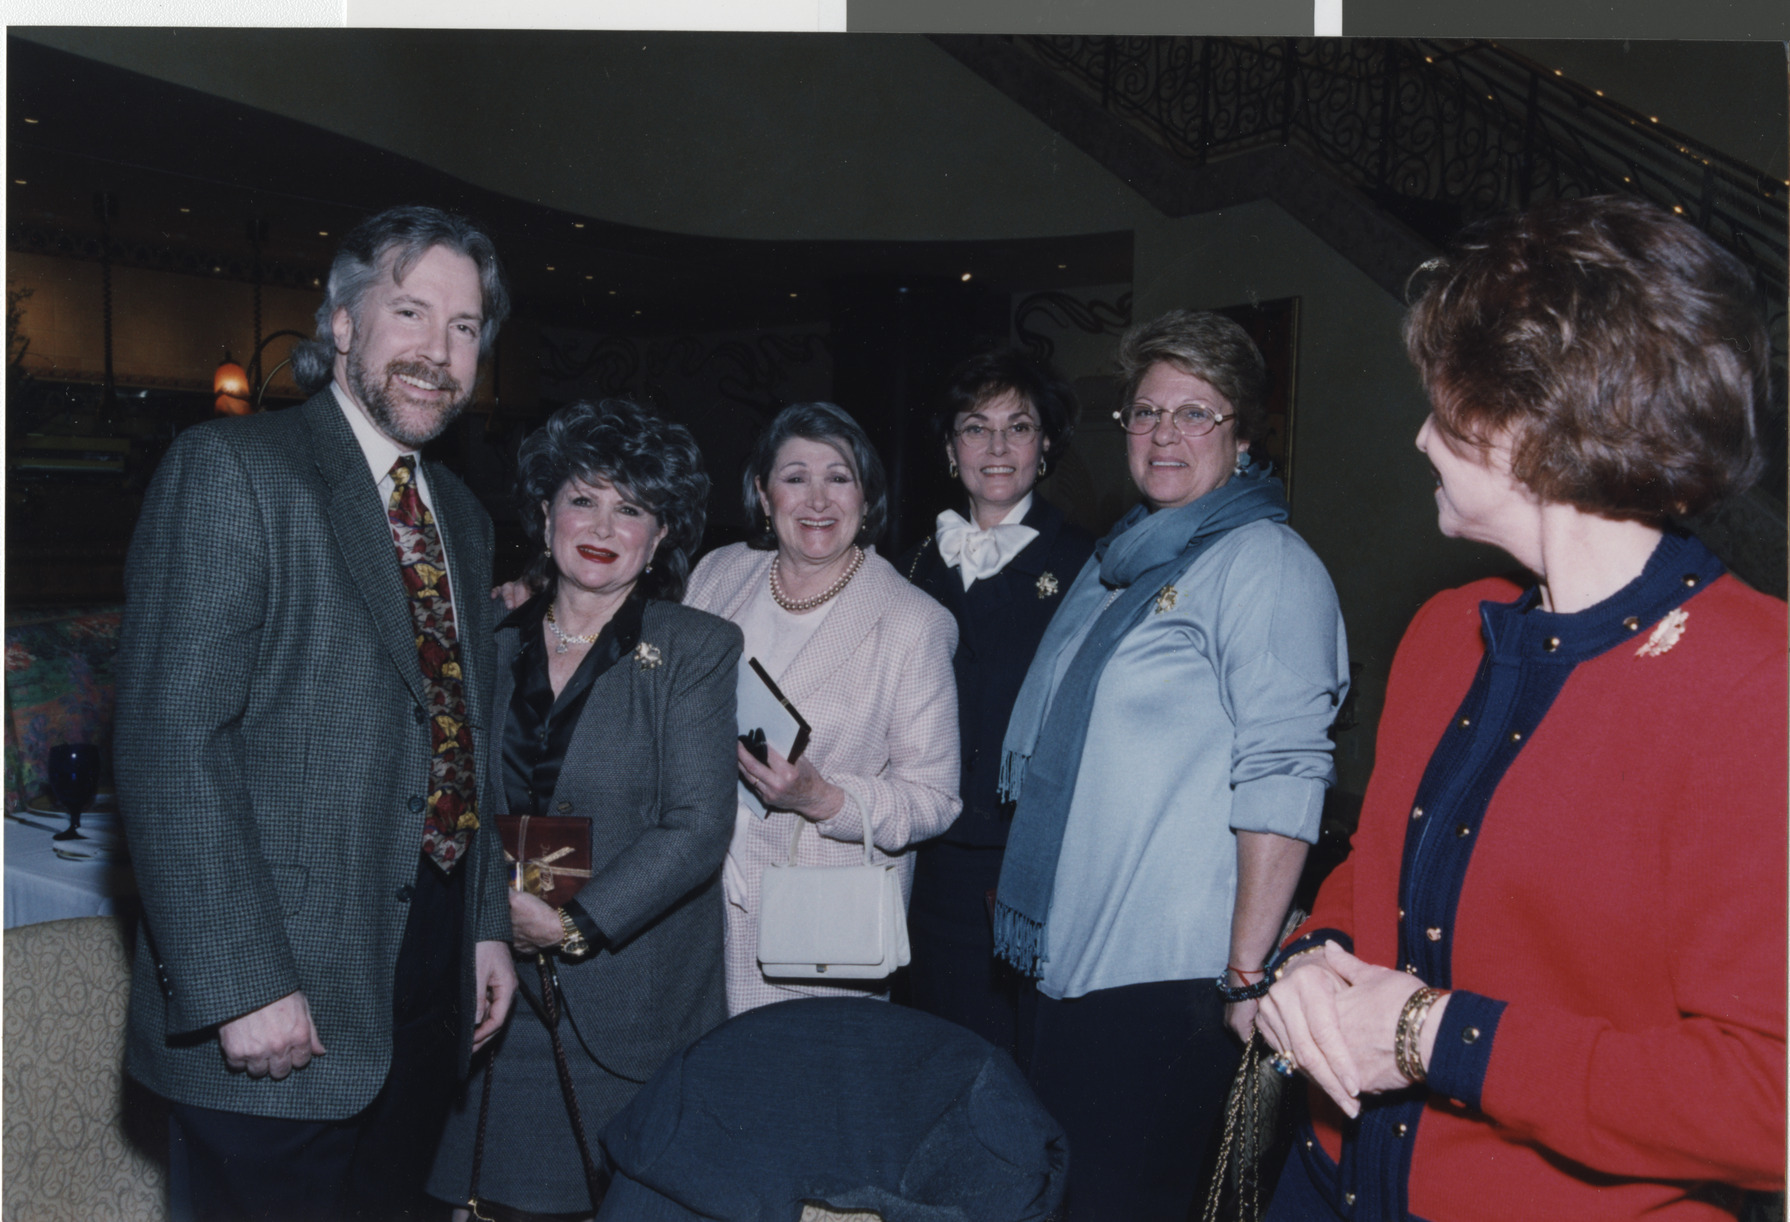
(74,780)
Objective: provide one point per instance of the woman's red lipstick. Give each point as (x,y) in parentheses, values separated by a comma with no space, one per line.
(600,555)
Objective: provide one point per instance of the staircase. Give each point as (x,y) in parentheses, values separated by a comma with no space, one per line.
(1384,148)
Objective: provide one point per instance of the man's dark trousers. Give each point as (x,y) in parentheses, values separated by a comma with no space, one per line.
(227,1166)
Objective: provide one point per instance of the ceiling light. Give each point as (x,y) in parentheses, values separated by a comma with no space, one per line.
(186,209)
(30,120)
(792,294)
(590,277)
(1062,267)
(577,224)
(550,267)
(966,275)
(19,181)
(323,233)
(612,292)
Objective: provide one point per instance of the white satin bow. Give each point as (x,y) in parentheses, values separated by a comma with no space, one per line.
(976,553)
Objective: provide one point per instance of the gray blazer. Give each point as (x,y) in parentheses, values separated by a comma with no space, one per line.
(272,754)
(652,764)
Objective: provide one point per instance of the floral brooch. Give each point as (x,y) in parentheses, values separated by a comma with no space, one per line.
(647,655)
(1165,599)
(1665,634)
(1047,585)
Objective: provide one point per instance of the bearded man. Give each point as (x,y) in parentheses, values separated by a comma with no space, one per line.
(303,753)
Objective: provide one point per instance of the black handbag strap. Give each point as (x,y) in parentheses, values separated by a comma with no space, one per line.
(478,1142)
(592,1178)
(549,1001)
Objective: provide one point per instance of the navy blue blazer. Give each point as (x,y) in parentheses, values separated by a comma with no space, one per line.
(1000,621)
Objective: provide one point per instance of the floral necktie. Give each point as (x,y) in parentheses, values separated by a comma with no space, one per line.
(453,790)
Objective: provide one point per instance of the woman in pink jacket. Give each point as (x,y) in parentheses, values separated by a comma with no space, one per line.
(862,654)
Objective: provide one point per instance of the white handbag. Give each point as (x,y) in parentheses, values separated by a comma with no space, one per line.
(831,922)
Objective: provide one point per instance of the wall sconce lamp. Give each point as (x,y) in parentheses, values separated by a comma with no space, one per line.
(231,382)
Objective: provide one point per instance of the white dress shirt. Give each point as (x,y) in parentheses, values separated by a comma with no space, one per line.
(381,452)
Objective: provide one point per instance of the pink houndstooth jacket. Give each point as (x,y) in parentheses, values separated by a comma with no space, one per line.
(875,683)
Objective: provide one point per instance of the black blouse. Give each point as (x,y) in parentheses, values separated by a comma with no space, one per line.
(539,727)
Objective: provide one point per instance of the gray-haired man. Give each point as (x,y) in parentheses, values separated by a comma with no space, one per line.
(302,753)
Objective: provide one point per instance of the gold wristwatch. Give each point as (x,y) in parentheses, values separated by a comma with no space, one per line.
(573,944)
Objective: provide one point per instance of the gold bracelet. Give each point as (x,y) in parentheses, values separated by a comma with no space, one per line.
(572,944)
(1408,1040)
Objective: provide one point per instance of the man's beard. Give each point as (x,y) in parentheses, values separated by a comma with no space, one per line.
(382,405)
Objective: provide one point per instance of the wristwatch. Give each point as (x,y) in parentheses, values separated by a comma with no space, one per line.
(573,945)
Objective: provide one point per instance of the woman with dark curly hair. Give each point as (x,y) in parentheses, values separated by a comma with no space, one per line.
(1549,980)
(620,709)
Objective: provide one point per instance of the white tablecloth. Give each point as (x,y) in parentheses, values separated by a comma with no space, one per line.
(41,886)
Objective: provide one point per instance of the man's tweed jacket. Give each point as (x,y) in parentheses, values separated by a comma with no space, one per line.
(272,754)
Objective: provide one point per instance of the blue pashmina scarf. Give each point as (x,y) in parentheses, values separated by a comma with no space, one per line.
(1041,755)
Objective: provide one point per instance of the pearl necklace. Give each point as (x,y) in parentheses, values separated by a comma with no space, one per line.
(808,604)
(566,639)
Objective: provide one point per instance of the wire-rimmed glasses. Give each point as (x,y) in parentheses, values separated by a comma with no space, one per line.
(980,436)
(1141,418)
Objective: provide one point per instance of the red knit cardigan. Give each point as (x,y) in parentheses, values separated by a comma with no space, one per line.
(1626,898)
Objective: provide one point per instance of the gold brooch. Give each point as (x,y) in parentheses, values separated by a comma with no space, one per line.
(1165,599)
(647,655)
(1665,635)
(1047,585)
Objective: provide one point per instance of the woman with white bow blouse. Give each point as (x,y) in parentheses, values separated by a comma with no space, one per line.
(1002,421)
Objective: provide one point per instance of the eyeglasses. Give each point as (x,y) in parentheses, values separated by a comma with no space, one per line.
(1140,418)
(980,436)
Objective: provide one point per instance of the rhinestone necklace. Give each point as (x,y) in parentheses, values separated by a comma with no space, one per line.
(808,604)
(566,639)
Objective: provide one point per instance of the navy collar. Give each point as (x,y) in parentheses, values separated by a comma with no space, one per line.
(1046,519)
(1679,567)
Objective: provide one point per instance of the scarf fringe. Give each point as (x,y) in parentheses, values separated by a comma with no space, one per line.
(1019,940)
(1013,774)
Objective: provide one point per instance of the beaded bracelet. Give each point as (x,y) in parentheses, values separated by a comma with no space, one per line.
(1407,1042)
(1246,992)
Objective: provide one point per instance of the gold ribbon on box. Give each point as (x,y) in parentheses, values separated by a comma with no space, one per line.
(538,873)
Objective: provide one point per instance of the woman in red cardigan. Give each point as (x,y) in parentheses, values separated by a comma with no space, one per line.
(1549,982)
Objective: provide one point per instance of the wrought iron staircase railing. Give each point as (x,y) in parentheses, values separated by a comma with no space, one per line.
(1437,133)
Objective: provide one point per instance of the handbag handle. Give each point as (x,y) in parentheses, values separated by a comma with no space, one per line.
(796,835)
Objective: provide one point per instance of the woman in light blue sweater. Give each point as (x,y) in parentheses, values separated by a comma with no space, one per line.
(1169,753)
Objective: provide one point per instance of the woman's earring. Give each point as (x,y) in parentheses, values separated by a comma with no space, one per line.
(1242,462)
(951,462)
(1040,466)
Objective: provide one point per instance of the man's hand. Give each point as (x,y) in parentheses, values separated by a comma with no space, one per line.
(272,1041)
(496,989)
